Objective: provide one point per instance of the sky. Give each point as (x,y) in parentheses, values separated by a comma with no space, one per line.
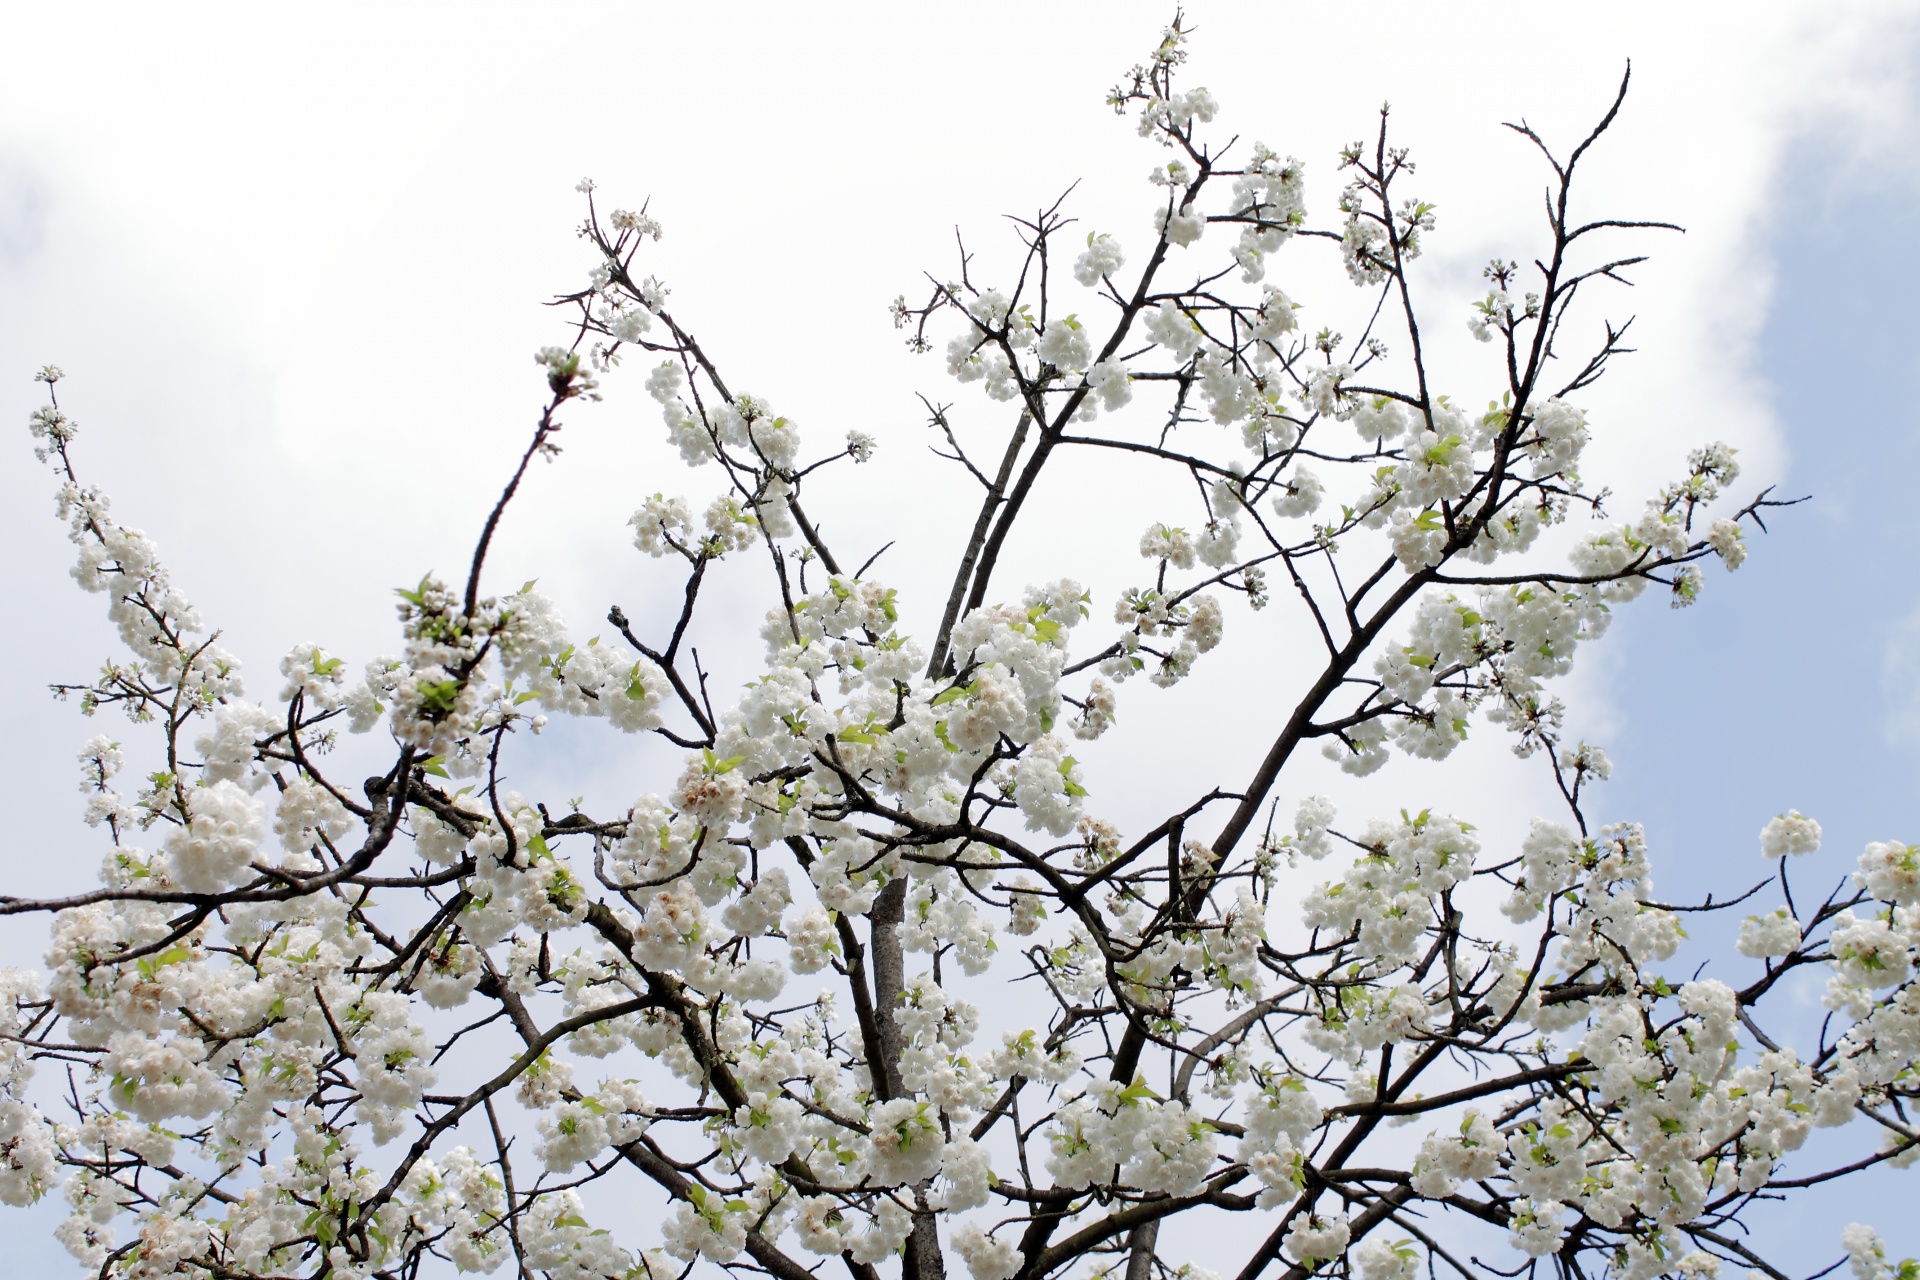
(294,262)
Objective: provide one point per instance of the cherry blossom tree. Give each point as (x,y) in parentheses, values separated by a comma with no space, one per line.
(311,1027)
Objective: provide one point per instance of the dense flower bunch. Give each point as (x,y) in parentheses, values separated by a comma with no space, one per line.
(335,1031)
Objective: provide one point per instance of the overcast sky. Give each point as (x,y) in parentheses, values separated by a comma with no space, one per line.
(294,265)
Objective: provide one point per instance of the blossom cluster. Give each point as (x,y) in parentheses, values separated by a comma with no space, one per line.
(869,976)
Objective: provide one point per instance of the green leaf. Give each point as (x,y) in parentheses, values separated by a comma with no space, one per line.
(151,965)
(715,765)
(954,694)
(440,696)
